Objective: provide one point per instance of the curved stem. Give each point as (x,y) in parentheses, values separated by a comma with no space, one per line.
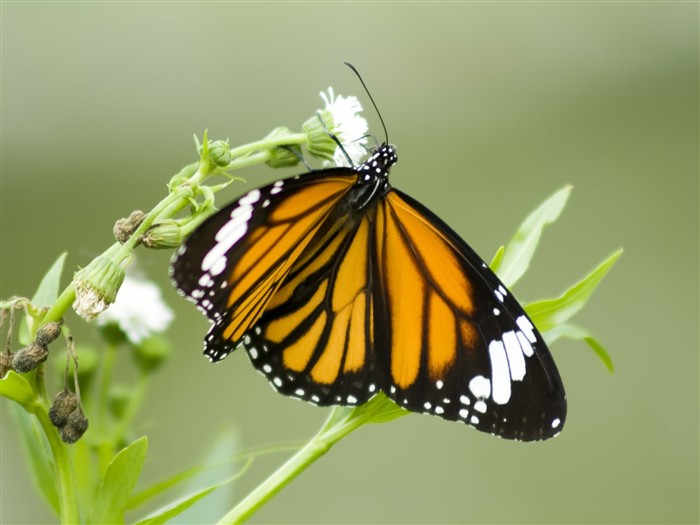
(333,430)
(65,479)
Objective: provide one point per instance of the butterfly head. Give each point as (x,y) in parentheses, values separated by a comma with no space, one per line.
(377,166)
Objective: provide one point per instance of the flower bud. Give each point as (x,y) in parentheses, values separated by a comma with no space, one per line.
(29,357)
(48,333)
(283,156)
(96,287)
(166,234)
(220,153)
(63,405)
(151,353)
(125,228)
(318,129)
(75,427)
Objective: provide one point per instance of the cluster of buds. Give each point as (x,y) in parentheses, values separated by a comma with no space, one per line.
(28,358)
(66,412)
(67,415)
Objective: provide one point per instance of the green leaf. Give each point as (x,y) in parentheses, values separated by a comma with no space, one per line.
(16,387)
(47,292)
(219,457)
(497,259)
(118,482)
(146,494)
(380,408)
(550,313)
(45,295)
(177,507)
(219,454)
(570,331)
(521,247)
(38,453)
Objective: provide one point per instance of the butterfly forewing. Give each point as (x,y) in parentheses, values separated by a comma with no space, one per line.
(233,264)
(455,343)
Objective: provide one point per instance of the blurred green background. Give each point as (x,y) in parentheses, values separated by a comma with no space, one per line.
(493,107)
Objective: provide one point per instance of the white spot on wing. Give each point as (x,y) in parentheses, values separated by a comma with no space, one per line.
(480,406)
(500,374)
(525,344)
(516,360)
(526,326)
(480,387)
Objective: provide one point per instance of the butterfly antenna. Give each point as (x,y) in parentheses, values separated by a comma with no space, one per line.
(354,69)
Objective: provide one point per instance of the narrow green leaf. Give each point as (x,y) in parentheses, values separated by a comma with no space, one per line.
(219,455)
(550,313)
(146,494)
(212,462)
(497,259)
(45,295)
(381,408)
(16,387)
(118,482)
(519,250)
(570,331)
(38,454)
(601,352)
(48,289)
(177,507)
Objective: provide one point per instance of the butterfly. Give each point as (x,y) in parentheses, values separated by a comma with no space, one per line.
(340,286)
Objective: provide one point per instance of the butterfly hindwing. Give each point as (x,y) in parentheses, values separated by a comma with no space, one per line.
(457,344)
(233,263)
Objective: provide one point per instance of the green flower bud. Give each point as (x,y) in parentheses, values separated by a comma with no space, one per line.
(96,287)
(151,353)
(28,358)
(48,333)
(125,228)
(318,131)
(220,153)
(75,427)
(283,156)
(166,234)
(63,405)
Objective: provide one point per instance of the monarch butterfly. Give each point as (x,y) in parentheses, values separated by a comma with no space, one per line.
(339,286)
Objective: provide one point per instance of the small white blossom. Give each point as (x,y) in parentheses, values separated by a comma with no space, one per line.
(348,126)
(139,310)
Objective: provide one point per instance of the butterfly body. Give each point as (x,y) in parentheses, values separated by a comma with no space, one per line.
(340,286)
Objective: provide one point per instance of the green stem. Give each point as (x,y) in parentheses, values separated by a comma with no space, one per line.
(131,409)
(243,156)
(266,144)
(105,448)
(65,480)
(321,443)
(59,307)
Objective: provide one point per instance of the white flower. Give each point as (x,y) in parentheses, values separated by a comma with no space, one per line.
(348,126)
(138,310)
